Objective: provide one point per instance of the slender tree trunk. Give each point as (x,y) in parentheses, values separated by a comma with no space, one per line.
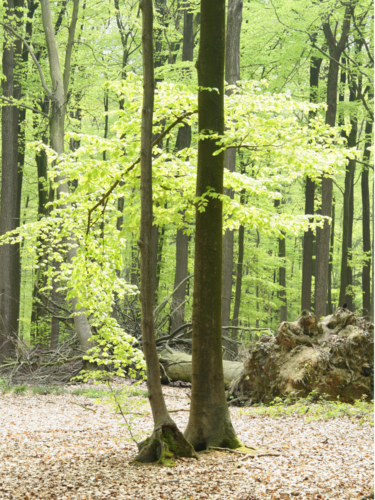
(209,420)
(347,220)
(282,274)
(282,280)
(366,231)
(232,75)
(307,262)
(153,448)
(372,314)
(182,240)
(323,234)
(10,191)
(237,301)
(330,267)
(349,297)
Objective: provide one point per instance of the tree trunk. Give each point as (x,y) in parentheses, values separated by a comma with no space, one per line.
(10,191)
(372,315)
(57,130)
(347,223)
(366,231)
(349,297)
(307,259)
(209,420)
(232,75)
(282,281)
(282,274)
(323,234)
(182,239)
(158,446)
(330,267)
(237,301)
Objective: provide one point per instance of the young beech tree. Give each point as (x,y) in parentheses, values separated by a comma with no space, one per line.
(209,420)
(166,439)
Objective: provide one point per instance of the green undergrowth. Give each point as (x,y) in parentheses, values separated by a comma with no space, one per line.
(96,393)
(315,407)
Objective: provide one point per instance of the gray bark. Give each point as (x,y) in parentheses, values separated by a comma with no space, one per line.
(57,130)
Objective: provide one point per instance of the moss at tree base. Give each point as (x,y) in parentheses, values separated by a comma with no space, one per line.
(165,443)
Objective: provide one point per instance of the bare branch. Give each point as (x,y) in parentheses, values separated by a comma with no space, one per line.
(44,85)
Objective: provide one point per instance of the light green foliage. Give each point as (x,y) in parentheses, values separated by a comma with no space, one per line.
(279,146)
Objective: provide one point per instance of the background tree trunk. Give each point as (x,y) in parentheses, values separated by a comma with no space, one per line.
(366,231)
(209,420)
(308,239)
(323,234)
(347,220)
(237,301)
(10,190)
(232,75)
(330,267)
(57,130)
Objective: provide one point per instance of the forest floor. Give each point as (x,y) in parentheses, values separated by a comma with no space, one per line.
(65,444)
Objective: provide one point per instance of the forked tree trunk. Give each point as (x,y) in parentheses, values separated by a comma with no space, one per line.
(10,191)
(366,232)
(323,234)
(60,86)
(209,420)
(166,438)
(232,75)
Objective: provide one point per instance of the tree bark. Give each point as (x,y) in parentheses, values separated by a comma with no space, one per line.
(232,75)
(237,301)
(366,231)
(323,234)
(372,315)
(57,129)
(182,239)
(10,190)
(163,424)
(347,220)
(308,239)
(330,267)
(209,420)
(283,315)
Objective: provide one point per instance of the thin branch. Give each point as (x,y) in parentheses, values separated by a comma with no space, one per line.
(44,85)
(19,103)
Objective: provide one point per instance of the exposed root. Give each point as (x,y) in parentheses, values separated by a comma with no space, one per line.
(165,443)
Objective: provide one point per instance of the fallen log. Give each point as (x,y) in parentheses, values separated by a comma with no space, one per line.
(176,366)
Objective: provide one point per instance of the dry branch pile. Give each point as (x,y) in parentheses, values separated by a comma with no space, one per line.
(334,356)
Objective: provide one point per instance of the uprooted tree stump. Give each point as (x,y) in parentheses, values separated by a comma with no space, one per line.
(164,443)
(334,356)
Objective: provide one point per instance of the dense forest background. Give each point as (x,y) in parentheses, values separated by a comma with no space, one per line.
(284,48)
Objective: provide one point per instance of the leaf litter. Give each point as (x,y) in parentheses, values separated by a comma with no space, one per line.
(53,447)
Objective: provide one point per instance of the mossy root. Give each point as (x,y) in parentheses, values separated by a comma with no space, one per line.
(165,443)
